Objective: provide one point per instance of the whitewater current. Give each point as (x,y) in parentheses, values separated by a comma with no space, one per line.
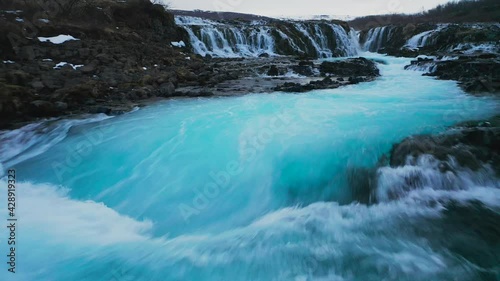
(255,187)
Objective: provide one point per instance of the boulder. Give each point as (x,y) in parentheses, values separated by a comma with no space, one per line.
(60,106)
(350,67)
(473,145)
(273,71)
(37,85)
(18,77)
(166,89)
(89,68)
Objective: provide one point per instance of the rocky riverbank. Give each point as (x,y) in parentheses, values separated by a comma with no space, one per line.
(101,59)
(285,74)
(468,53)
(474,73)
(109,57)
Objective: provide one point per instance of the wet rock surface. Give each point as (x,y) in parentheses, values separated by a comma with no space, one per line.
(472,144)
(350,68)
(475,73)
(411,40)
(286,74)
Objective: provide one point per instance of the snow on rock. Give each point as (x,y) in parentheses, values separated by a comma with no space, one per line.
(8,62)
(179,44)
(57,39)
(61,64)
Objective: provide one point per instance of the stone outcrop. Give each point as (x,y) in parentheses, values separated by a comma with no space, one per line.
(475,73)
(472,144)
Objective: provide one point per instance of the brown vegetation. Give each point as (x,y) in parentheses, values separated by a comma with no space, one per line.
(452,12)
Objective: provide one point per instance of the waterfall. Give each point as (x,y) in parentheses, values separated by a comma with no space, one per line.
(377,37)
(348,43)
(320,39)
(424,39)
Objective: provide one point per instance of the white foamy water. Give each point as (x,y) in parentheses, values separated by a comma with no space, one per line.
(34,139)
(255,187)
(315,38)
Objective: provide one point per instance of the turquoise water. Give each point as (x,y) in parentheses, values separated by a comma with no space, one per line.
(243,188)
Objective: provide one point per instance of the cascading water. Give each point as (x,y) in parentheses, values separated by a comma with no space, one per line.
(320,39)
(480,38)
(256,187)
(377,37)
(318,42)
(425,38)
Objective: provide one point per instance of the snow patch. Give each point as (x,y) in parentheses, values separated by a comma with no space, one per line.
(61,64)
(58,39)
(179,44)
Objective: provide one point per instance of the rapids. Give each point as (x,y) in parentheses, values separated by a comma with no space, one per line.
(255,187)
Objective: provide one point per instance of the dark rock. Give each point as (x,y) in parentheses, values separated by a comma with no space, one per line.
(355,80)
(90,68)
(487,56)
(273,71)
(60,106)
(52,81)
(42,108)
(304,70)
(350,67)
(472,146)
(306,63)
(101,109)
(167,89)
(326,83)
(18,77)
(37,85)
(474,74)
